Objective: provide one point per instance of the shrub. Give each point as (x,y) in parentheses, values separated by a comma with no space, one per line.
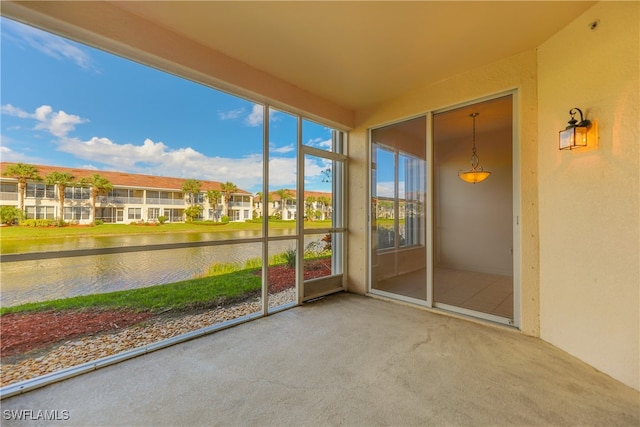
(290,257)
(225,219)
(98,222)
(10,215)
(38,222)
(162,219)
(193,212)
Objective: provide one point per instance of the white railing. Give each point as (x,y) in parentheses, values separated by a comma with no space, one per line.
(121,200)
(156,201)
(8,196)
(240,204)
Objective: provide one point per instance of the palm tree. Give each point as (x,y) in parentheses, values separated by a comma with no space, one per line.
(214,197)
(22,172)
(310,208)
(191,187)
(228,188)
(284,196)
(99,185)
(62,180)
(259,195)
(324,202)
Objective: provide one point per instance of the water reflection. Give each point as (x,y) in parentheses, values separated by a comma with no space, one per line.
(46,279)
(95,242)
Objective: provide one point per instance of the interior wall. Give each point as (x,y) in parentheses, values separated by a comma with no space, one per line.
(473,222)
(517,72)
(589,199)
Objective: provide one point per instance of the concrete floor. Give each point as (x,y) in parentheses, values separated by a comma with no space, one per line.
(344,360)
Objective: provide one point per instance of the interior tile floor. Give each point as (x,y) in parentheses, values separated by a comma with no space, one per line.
(483,292)
(344,360)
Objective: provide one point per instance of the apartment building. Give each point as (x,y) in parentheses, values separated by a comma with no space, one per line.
(282,204)
(133,198)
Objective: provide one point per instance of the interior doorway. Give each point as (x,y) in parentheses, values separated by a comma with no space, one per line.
(472,257)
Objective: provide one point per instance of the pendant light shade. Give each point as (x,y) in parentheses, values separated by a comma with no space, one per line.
(476,173)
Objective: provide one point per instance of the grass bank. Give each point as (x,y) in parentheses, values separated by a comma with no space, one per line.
(223,283)
(199,293)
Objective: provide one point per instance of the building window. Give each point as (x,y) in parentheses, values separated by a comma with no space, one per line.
(400,198)
(198,198)
(174,215)
(134,213)
(77,193)
(77,213)
(8,187)
(40,191)
(39,212)
(153,214)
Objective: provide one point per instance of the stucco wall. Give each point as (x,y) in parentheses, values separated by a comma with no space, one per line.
(517,72)
(589,200)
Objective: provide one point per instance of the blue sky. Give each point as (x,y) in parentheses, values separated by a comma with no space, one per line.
(66,104)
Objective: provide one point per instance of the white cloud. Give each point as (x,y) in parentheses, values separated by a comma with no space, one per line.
(256,117)
(49,44)
(156,158)
(89,167)
(57,123)
(8,155)
(231,114)
(326,144)
(320,143)
(386,189)
(281,150)
(10,110)
(282,172)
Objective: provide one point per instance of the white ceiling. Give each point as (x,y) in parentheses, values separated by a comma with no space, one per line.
(360,53)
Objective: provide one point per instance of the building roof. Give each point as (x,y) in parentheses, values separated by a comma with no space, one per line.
(123,179)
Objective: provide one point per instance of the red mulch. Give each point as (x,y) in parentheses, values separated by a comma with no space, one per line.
(23,332)
(283,277)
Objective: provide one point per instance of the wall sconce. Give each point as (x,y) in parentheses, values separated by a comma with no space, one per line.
(575,134)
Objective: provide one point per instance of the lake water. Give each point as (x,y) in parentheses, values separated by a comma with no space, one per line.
(46,279)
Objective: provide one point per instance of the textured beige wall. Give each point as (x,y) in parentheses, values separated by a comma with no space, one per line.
(589,200)
(517,72)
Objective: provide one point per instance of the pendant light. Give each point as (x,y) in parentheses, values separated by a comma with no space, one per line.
(476,174)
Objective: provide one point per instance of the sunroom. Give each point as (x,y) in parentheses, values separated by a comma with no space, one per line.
(415,94)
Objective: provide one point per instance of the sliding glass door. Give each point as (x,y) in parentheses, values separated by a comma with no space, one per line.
(438,240)
(398,202)
(473,271)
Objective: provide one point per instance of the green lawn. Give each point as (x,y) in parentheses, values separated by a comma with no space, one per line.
(205,292)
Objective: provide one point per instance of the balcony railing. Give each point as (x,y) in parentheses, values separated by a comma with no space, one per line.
(121,200)
(173,202)
(9,196)
(240,204)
